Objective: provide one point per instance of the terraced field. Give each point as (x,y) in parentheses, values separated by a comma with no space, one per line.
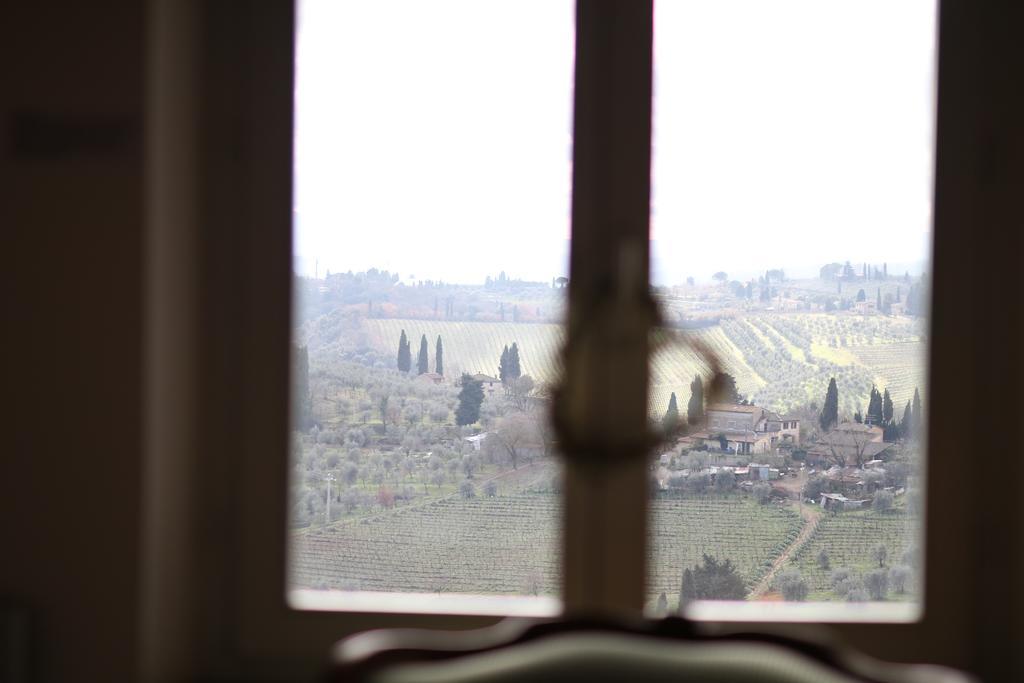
(848,539)
(900,367)
(509,544)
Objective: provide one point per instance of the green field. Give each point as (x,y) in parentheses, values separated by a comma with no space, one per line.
(509,544)
(780,360)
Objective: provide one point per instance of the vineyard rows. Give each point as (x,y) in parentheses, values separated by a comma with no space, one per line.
(509,544)
(848,539)
(737,528)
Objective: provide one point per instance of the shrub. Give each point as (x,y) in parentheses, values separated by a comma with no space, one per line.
(763,493)
(491,489)
(883,501)
(877,584)
(792,585)
(879,554)
(823,560)
(466,489)
(899,578)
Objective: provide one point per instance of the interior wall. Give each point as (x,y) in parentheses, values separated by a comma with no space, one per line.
(71,169)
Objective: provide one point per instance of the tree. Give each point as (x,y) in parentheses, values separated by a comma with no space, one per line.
(793,586)
(879,553)
(725,481)
(887,408)
(877,583)
(916,413)
(861,295)
(830,411)
(723,388)
(883,501)
(899,577)
(874,416)
(515,433)
(662,607)
(720,276)
(711,580)
(878,303)
(907,423)
(763,493)
(515,371)
(471,396)
(404,354)
(823,559)
(504,365)
(466,489)
(422,362)
(302,404)
(520,389)
(695,407)
(439,357)
(671,419)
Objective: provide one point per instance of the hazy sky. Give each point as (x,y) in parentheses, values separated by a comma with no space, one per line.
(435,138)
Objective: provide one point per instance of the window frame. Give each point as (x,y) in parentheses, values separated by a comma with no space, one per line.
(233,615)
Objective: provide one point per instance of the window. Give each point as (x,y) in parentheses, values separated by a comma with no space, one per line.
(412,284)
(939,637)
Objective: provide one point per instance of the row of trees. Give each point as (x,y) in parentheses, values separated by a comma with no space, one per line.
(509,367)
(422,360)
(723,389)
(880,412)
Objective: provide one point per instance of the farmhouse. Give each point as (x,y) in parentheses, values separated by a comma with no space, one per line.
(849,444)
(489,384)
(430,377)
(865,307)
(746,429)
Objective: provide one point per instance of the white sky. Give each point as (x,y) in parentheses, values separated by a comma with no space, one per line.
(434,138)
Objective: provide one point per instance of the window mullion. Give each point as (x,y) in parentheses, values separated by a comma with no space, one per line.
(605,399)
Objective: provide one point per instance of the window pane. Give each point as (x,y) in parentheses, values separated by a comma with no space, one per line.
(432,185)
(791,236)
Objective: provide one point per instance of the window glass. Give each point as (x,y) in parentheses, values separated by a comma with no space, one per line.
(791,237)
(431,223)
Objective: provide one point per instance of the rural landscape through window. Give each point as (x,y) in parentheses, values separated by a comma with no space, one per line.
(432,196)
(791,237)
(790,245)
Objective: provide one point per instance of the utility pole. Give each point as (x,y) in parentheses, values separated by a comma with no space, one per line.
(329,478)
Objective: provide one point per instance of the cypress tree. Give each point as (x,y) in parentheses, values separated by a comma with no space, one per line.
(887,408)
(907,424)
(878,304)
(302,403)
(439,357)
(875,407)
(830,411)
(695,408)
(515,371)
(724,389)
(422,366)
(916,416)
(470,397)
(404,354)
(503,365)
(671,419)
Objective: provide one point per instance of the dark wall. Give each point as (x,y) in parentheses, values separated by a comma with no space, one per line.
(71,103)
